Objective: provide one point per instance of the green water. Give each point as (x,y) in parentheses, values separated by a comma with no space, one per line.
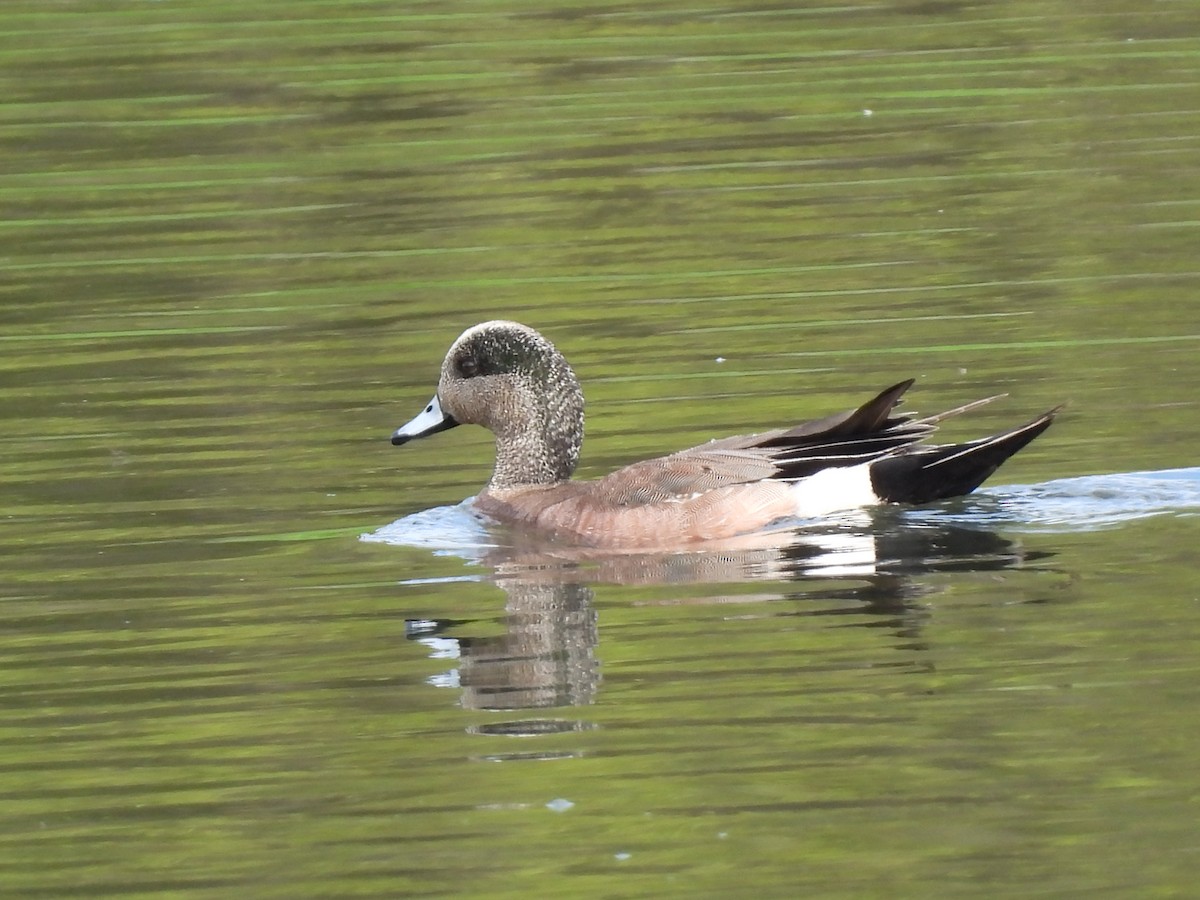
(236,240)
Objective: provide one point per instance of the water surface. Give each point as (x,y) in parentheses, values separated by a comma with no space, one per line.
(235,245)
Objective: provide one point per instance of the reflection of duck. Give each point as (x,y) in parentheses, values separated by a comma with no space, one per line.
(548,655)
(513,381)
(860,547)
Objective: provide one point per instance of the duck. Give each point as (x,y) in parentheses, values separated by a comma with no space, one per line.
(510,379)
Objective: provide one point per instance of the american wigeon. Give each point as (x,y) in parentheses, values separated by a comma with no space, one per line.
(514,382)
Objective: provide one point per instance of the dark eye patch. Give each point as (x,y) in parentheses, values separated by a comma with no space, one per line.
(468,367)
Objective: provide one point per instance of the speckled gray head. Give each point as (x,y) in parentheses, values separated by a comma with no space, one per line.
(511,380)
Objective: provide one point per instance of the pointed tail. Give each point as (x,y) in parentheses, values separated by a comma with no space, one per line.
(926,474)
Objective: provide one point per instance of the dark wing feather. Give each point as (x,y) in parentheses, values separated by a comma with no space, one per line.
(855,436)
(860,435)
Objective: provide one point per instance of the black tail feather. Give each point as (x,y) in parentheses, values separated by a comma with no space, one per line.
(926,474)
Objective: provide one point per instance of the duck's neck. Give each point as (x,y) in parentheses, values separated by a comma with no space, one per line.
(543,449)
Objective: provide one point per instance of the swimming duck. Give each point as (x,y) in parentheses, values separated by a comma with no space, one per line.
(513,381)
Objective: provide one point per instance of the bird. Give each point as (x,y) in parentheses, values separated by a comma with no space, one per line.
(510,379)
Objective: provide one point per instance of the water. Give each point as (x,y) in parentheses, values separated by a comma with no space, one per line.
(235,247)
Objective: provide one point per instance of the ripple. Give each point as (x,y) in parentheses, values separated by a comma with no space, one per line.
(1082,503)
(447,530)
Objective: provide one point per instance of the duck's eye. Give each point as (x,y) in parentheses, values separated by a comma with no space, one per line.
(468,367)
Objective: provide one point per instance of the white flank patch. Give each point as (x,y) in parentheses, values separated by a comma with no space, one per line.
(833,490)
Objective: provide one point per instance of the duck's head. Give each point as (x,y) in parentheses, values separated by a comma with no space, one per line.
(511,380)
